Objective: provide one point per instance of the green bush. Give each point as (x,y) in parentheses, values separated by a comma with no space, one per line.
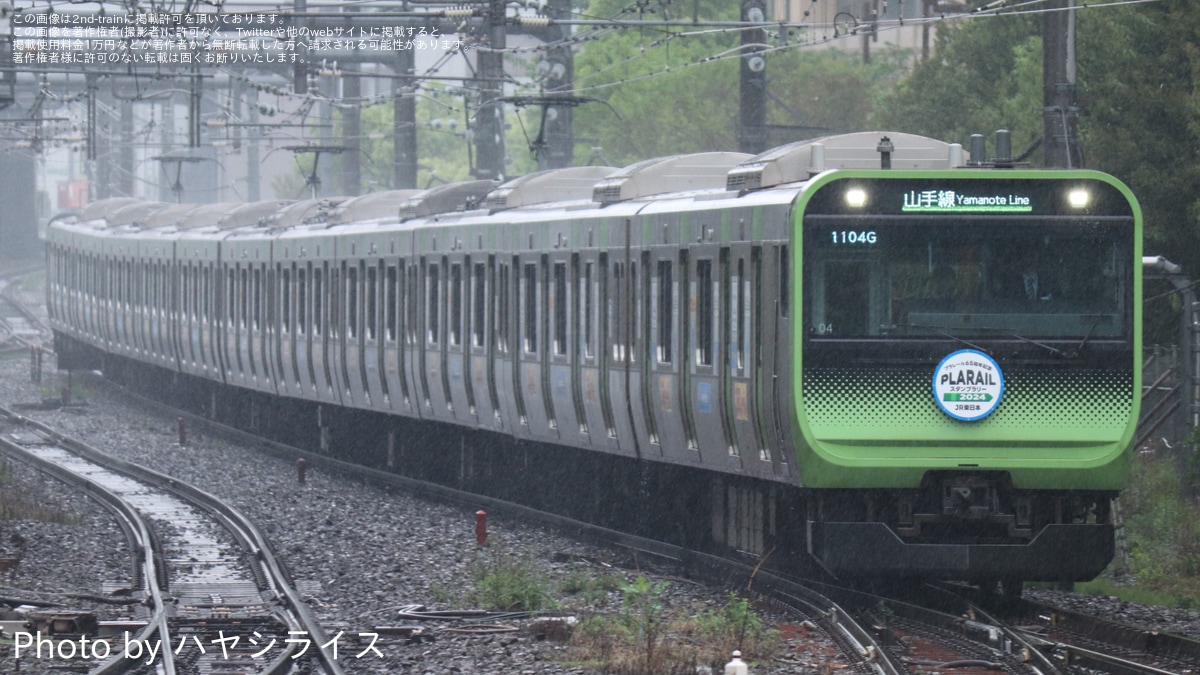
(510,585)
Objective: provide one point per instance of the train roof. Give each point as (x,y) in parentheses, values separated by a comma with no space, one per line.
(800,161)
(678,173)
(553,185)
(688,181)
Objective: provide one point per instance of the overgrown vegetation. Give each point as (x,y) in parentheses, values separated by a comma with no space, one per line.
(648,637)
(510,584)
(1163,529)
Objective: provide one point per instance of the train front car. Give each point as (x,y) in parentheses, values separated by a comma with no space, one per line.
(967,370)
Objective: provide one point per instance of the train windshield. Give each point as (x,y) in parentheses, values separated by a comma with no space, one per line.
(968,277)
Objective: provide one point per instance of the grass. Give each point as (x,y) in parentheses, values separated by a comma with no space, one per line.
(1162,525)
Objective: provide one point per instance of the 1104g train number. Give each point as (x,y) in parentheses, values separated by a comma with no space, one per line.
(853,236)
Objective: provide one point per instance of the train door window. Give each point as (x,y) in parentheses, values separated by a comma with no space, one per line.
(479,306)
(704,312)
(785,287)
(302,300)
(318,301)
(456,304)
(258,293)
(503,298)
(432,303)
(413,315)
(243,297)
(285,297)
(617,321)
(739,311)
(351,302)
(560,309)
(728,311)
(588,289)
(665,310)
(205,293)
(231,297)
(391,296)
(756,262)
(371,311)
(529,310)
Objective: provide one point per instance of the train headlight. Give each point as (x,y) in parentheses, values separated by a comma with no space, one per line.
(1079,198)
(856,198)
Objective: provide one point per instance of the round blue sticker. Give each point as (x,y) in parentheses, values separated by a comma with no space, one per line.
(968,385)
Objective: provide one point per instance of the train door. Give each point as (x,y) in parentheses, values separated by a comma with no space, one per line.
(322,344)
(433,353)
(739,384)
(708,428)
(258,322)
(345,330)
(665,295)
(506,375)
(537,415)
(279,330)
(371,362)
(238,326)
(399,395)
(212,302)
(302,363)
(773,295)
(562,353)
(413,360)
(624,337)
(482,377)
(457,380)
(593,394)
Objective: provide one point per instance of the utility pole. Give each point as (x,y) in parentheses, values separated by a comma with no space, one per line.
(752,83)
(1060,111)
(488,126)
(557,142)
(404,124)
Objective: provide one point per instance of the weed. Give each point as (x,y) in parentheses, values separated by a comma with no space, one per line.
(513,585)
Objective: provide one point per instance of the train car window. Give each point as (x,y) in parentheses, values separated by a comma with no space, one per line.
(371,311)
(456,304)
(704,313)
(503,298)
(391,295)
(588,291)
(318,300)
(665,311)
(560,308)
(756,299)
(530,309)
(352,302)
(432,303)
(479,306)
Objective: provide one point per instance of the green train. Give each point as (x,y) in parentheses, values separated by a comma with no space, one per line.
(866,350)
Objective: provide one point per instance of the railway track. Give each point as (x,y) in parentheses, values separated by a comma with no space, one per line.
(218,600)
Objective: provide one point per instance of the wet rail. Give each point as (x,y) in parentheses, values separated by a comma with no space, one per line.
(218,599)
